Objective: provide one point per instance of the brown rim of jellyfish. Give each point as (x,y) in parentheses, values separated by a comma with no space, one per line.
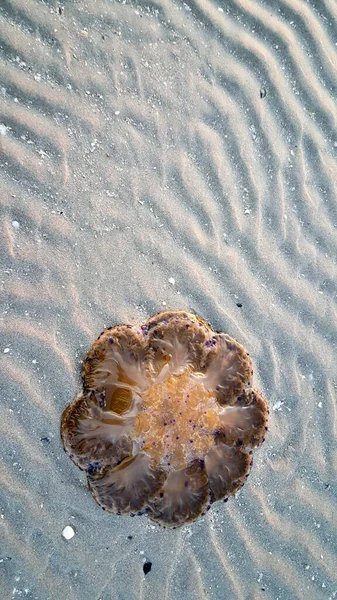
(230,364)
(123,338)
(127,487)
(227,469)
(253,406)
(202,344)
(81,449)
(184,497)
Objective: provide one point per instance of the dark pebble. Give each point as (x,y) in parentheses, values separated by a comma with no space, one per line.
(147,567)
(45,441)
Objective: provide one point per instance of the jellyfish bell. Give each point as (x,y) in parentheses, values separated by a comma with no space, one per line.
(183,498)
(166,419)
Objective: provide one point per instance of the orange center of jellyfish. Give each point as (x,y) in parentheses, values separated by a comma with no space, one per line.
(177,420)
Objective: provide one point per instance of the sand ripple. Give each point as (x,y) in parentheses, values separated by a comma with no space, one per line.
(144,141)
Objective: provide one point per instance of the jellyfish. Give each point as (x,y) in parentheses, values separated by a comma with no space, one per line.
(166,419)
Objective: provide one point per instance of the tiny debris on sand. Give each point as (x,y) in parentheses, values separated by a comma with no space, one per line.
(68,532)
(147,567)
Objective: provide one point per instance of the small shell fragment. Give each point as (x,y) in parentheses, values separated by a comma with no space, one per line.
(68,532)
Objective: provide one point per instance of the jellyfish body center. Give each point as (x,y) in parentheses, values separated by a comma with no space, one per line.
(177,420)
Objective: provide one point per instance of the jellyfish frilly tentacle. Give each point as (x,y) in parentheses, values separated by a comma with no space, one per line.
(167,418)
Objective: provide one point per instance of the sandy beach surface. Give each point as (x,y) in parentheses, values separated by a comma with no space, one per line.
(180,155)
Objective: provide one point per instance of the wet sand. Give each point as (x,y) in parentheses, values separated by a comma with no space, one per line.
(182,156)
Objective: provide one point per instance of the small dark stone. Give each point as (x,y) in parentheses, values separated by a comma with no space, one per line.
(45,441)
(147,567)
(239,305)
(130,537)
(263,92)
(60,10)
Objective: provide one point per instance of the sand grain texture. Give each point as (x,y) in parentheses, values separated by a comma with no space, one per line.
(183,156)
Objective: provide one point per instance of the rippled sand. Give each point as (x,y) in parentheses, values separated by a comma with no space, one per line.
(179,155)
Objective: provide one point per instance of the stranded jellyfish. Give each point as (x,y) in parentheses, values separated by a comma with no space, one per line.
(166,419)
